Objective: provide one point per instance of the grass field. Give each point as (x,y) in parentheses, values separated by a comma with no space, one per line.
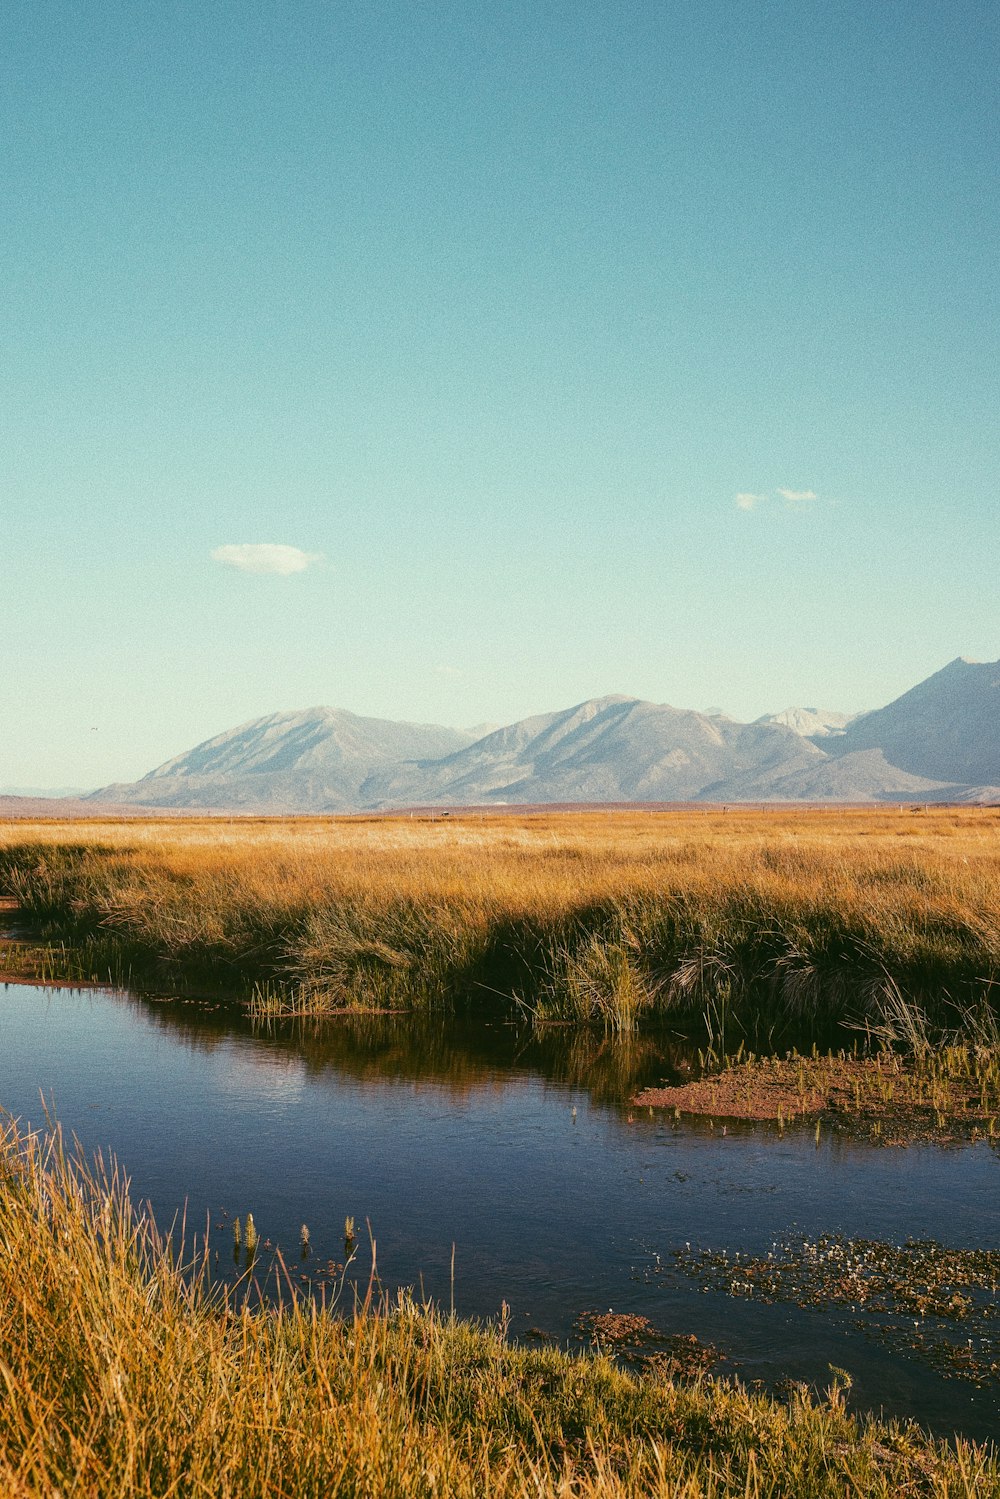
(125,1374)
(727,918)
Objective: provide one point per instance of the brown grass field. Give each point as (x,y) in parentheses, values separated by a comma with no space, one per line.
(610,916)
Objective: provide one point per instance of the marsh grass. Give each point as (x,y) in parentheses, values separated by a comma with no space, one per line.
(946,1088)
(126,1373)
(738,920)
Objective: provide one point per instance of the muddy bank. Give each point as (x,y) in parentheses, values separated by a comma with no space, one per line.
(952,1094)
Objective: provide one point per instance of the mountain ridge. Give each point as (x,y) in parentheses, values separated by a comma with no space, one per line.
(285,762)
(938,741)
(946,727)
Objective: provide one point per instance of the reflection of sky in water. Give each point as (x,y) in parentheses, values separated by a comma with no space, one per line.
(447,1135)
(264,1076)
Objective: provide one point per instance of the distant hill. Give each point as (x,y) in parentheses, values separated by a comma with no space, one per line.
(865,776)
(45,793)
(938,742)
(811,723)
(606,749)
(287,762)
(71,808)
(947,728)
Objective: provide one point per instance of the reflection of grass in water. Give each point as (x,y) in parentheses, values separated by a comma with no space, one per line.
(939,1304)
(125,1374)
(458,1054)
(465,1056)
(602,919)
(607,1067)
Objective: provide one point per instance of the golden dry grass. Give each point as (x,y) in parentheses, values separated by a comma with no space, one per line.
(591,914)
(560,858)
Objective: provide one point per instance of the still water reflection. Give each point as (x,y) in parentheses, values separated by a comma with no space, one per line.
(521,1152)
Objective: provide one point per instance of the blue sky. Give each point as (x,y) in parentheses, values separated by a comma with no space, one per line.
(492,312)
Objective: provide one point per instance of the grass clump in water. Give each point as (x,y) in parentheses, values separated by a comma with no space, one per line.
(911,1082)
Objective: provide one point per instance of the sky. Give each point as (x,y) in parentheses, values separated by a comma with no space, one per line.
(456,362)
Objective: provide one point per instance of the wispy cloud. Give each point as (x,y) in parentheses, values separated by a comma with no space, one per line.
(747,501)
(265,557)
(452,672)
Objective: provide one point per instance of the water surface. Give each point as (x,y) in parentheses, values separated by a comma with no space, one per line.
(518,1159)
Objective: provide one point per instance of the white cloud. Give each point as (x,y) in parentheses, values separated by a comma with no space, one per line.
(449,671)
(797,494)
(748,501)
(265,557)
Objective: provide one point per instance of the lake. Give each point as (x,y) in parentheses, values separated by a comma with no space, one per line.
(495,1166)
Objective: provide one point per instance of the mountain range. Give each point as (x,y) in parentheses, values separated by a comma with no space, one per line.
(938,742)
